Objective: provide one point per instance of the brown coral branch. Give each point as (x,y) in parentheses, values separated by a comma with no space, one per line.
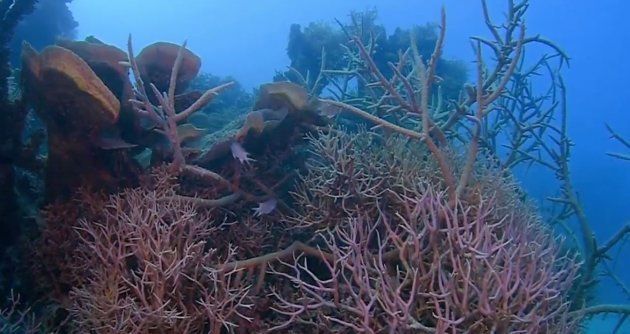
(502,48)
(174,73)
(296,246)
(621,140)
(409,103)
(473,147)
(141,91)
(202,203)
(618,137)
(384,83)
(437,52)
(205,174)
(625,230)
(605,308)
(483,102)
(426,77)
(374,119)
(202,101)
(165,116)
(588,237)
(301,248)
(510,70)
(491,26)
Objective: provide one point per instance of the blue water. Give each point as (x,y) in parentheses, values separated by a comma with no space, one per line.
(247,40)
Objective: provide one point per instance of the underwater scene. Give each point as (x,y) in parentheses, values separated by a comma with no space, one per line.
(359,166)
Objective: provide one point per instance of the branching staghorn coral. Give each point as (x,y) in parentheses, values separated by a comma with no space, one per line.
(399,258)
(492,91)
(396,194)
(621,140)
(165,116)
(501,105)
(166,119)
(425,290)
(529,127)
(383,237)
(559,151)
(407,94)
(140,262)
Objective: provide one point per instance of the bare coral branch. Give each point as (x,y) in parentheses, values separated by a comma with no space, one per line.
(202,101)
(165,116)
(374,119)
(621,140)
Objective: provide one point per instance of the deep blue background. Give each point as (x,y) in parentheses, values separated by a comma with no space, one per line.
(247,39)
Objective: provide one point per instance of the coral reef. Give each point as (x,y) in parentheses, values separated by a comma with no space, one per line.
(140,261)
(405,260)
(294,217)
(380,236)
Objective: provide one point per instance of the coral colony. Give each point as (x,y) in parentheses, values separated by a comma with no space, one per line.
(387,206)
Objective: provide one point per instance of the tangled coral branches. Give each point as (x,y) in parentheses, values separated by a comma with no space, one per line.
(142,265)
(165,116)
(13,319)
(397,256)
(432,268)
(348,175)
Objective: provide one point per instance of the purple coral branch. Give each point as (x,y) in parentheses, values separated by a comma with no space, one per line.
(455,268)
(142,265)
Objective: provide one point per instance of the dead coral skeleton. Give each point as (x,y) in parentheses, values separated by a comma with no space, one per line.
(622,140)
(164,115)
(410,93)
(166,119)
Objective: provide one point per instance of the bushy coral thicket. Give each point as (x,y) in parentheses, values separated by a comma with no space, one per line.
(389,253)
(138,262)
(408,260)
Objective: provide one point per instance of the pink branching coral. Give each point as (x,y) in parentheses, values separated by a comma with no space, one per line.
(435,269)
(401,258)
(142,264)
(381,248)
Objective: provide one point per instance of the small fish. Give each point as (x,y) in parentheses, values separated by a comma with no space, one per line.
(239,153)
(188,132)
(265,207)
(109,139)
(329,110)
(113,144)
